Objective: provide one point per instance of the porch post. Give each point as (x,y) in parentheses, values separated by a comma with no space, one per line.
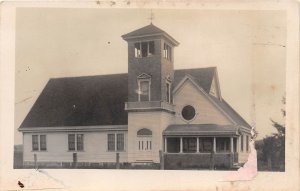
(197,145)
(231,144)
(181,145)
(231,152)
(214,145)
(166,145)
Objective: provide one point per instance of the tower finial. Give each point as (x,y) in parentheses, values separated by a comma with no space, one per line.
(151,17)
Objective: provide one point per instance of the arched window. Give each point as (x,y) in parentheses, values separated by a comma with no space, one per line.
(144,137)
(144,131)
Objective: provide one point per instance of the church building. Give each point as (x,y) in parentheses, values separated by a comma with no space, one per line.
(154,114)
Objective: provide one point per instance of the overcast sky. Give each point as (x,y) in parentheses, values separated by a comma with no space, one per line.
(247,47)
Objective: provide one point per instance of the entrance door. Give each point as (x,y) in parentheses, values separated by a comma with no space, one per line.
(144,145)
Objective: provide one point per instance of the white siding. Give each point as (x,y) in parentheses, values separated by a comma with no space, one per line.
(95,148)
(156,121)
(243,155)
(206,112)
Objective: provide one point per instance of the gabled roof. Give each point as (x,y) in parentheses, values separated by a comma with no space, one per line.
(202,76)
(230,111)
(100,100)
(149,30)
(146,30)
(80,101)
(201,129)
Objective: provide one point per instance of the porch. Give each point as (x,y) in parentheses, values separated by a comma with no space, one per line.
(196,147)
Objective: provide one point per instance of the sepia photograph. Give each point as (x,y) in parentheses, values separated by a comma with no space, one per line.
(157,89)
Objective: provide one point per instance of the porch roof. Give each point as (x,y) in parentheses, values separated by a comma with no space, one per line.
(201,129)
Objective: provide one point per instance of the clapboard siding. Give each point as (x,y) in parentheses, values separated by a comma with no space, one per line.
(95,148)
(156,121)
(206,112)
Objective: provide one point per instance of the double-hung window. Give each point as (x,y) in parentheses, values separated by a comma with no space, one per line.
(115,142)
(39,143)
(75,142)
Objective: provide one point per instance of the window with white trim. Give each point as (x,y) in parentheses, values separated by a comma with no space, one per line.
(115,142)
(75,142)
(144,91)
(143,49)
(39,143)
(144,139)
(167,52)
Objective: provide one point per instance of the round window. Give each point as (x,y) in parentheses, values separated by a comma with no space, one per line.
(188,112)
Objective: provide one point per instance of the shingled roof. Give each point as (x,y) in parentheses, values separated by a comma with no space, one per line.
(201,129)
(202,76)
(80,101)
(100,100)
(149,30)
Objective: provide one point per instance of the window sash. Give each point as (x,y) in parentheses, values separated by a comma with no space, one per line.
(144,90)
(35,142)
(167,51)
(120,142)
(71,142)
(223,144)
(190,144)
(205,145)
(79,142)
(43,143)
(111,142)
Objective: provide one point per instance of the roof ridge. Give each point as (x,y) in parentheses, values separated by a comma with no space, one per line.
(69,77)
(209,67)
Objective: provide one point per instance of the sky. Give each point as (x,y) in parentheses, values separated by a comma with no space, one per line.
(247,47)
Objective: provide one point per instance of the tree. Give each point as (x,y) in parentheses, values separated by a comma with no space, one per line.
(274,146)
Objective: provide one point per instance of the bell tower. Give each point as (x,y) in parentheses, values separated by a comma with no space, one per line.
(150,76)
(150,65)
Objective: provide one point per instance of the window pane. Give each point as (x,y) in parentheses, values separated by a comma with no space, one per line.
(205,145)
(223,144)
(151,48)
(137,49)
(43,143)
(167,52)
(173,145)
(189,145)
(71,141)
(120,142)
(188,112)
(111,142)
(79,142)
(35,143)
(144,85)
(144,49)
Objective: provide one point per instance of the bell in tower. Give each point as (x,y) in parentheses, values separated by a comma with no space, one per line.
(150,67)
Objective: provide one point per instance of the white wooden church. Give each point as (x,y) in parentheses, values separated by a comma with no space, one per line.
(151,115)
